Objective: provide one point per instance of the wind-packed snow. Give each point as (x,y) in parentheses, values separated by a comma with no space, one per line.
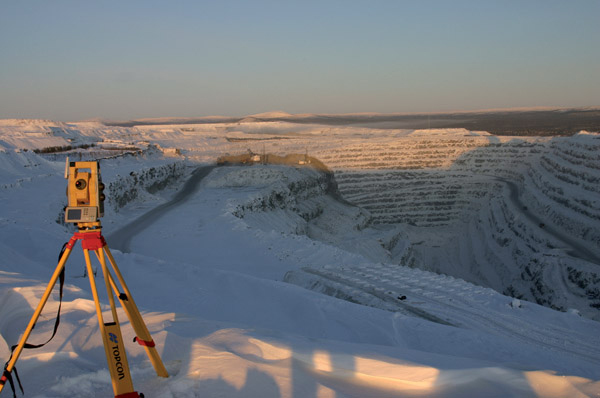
(263,282)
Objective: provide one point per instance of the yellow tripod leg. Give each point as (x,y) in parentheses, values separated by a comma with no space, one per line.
(19,348)
(143,336)
(111,335)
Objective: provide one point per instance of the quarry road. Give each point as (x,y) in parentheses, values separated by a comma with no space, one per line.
(121,238)
(575,248)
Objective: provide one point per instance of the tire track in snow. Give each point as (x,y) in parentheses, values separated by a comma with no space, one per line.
(455,309)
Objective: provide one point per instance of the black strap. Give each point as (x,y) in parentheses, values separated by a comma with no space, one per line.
(56,323)
(7,376)
(6,373)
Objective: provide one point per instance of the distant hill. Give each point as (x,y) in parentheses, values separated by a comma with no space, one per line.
(513,122)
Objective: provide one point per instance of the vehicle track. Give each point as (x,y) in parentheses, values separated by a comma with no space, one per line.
(453,302)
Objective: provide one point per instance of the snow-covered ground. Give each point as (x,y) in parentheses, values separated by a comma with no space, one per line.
(261,283)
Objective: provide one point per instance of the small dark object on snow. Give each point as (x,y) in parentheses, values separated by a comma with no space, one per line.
(401,297)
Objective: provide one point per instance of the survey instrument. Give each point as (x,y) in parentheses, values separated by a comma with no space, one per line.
(85,207)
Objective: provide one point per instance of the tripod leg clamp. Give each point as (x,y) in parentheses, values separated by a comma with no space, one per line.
(130,395)
(6,376)
(144,342)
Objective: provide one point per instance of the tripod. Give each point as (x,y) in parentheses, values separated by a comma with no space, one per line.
(90,234)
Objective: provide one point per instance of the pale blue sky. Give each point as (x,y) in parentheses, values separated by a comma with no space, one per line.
(73,60)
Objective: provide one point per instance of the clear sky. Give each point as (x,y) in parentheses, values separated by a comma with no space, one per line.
(73,60)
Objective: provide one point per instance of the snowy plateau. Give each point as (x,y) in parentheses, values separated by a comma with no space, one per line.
(275,259)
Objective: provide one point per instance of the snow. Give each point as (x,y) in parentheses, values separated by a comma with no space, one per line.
(272,115)
(430,133)
(293,300)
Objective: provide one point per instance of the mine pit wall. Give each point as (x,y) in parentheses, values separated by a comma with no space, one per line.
(424,181)
(125,189)
(307,197)
(557,179)
(290,196)
(564,187)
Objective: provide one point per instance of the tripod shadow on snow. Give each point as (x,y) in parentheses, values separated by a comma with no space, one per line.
(206,359)
(234,363)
